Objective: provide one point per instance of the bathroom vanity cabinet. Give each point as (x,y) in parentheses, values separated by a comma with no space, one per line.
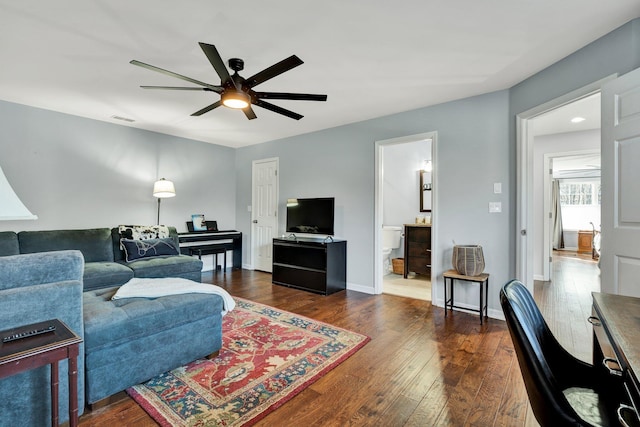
(417,249)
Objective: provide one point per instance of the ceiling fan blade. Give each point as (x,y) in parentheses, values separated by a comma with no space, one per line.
(207,108)
(275,70)
(176,75)
(276,109)
(292,96)
(249,113)
(206,89)
(218,64)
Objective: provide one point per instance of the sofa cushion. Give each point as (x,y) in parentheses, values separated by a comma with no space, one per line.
(173,266)
(143,232)
(9,243)
(105,274)
(138,249)
(111,323)
(95,244)
(116,236)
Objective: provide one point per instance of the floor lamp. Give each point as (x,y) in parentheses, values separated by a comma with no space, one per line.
(11,208)
(163,189)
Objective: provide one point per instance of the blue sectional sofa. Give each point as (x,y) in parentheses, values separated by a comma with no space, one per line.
(126,341)
(105,263)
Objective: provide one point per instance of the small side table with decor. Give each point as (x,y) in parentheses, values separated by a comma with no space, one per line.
(44,343)
(482,279)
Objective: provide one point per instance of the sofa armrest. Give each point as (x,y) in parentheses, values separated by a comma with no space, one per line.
(37,303)
(35,288)
(39,268)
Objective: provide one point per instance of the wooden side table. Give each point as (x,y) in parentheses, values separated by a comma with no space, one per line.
(39,350)
(482,280)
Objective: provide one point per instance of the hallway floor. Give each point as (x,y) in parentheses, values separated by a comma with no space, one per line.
(565,301)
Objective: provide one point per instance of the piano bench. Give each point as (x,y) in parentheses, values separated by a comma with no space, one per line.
(210,250)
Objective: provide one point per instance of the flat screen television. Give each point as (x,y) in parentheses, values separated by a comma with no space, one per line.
(313,216)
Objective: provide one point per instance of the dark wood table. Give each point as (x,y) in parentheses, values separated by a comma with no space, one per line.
(616,344)
(45,349)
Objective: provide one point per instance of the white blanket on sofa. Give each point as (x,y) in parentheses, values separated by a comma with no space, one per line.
(154,288)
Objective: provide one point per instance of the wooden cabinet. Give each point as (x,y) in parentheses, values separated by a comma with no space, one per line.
(313,265)
(417,249)
(584,241)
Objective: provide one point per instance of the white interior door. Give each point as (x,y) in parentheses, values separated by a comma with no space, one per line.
(264,210)
(620,258)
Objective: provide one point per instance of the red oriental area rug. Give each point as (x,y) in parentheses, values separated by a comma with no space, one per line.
(267,357)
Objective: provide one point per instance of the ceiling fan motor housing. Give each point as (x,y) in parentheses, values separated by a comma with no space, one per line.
(236,64)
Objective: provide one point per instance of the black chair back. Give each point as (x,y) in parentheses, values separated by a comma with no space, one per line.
(547,368)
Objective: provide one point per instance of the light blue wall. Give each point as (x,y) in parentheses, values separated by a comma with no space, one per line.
(472,154)
(78,173)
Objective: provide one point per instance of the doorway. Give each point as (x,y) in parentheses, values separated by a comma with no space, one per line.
(566,182)
(400,165)
(529,209)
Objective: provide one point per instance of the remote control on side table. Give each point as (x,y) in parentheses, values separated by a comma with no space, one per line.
(27,334)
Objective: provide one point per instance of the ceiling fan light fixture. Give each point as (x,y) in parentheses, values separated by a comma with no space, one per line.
(235,99)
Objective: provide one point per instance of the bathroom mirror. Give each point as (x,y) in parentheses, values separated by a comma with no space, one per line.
(425,191)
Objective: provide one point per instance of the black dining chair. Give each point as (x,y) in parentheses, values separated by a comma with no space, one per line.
(562,390)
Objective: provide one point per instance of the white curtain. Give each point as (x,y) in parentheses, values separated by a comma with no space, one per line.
(556,211)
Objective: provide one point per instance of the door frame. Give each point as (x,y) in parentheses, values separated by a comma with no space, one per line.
(524,175)
(378,204)
(253,202)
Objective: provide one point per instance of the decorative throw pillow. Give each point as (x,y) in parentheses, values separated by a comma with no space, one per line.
(139,249)
(143,232)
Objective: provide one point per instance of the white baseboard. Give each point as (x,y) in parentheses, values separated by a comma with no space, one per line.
(538,277)
(359,288)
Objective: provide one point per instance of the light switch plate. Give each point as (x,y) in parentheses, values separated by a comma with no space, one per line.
(497,187)
(495,207)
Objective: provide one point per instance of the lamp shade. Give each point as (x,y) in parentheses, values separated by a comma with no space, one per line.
(163,189)
(11,208)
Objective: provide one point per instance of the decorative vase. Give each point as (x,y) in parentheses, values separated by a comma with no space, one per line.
(468,260)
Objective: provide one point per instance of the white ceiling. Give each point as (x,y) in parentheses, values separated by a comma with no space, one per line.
(372,58)
(559,119)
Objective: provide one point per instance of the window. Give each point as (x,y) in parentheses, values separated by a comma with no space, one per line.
(576,193)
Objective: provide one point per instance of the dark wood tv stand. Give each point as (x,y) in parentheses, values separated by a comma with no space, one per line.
(315,265)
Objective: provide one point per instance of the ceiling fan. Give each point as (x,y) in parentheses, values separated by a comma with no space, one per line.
(236,91)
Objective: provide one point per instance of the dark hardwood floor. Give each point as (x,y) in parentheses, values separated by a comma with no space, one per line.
(420,368)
